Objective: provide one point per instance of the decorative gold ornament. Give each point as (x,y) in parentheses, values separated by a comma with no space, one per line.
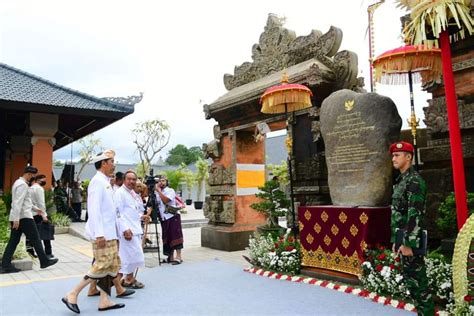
(363,218)
(307,215)
(309,239)
(289,144)
(460,256)
(345,242)
(324,216)
(349,105)
(301,225)
(363,245)
(317,228)
(342,217)
(327,240)
(354,230)
(334,230)
(332,261)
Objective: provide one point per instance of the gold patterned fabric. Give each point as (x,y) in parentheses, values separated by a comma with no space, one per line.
(334,237)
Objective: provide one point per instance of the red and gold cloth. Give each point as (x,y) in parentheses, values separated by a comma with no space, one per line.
(335,237)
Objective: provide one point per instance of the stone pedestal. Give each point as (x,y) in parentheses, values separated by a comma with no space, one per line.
(225,238)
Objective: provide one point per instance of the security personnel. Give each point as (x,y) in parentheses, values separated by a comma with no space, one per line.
(408,210)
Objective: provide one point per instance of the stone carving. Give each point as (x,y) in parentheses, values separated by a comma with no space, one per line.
(213,148)
(436,117)
(463,64)
(130,100)
(357,130)
(279,48)
(345,66)
(218,210)
(219,175)
(316,130)
(310,168)
(207,111)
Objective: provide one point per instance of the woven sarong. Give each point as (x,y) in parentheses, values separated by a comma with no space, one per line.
(172,234)
(106,264)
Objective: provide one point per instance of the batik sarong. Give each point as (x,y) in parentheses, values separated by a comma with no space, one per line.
(172,234)
(105,266)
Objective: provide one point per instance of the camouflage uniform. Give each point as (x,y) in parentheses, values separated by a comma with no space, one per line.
(408,209)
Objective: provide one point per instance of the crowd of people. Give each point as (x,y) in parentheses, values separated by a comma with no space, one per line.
(119,206)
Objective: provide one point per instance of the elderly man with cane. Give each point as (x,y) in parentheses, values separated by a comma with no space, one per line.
(130,209)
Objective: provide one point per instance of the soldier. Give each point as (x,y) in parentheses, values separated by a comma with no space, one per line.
(408,210)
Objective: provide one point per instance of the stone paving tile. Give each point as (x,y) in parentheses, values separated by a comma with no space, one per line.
(75,257)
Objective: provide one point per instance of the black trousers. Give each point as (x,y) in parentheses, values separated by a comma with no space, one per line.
(77,208)
(27,227)
(47,243)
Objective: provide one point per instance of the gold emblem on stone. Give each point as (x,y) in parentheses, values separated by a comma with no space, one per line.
(363,218)
(363,245)
(334,230)
(324,216)
(307,215)
(345,242)
(349,105)
(327,240)
(343,217)
(309,239)
(317,228)
(353,230)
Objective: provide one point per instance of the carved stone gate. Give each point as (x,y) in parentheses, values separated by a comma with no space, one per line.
(238,166)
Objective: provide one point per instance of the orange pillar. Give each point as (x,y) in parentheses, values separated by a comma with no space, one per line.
(43,126)
(17,158)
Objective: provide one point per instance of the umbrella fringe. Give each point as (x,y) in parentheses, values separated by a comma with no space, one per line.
(295,100)
(430,65)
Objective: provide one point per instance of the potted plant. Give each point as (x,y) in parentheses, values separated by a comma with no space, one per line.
(274,204)
(190,180)
(202,174)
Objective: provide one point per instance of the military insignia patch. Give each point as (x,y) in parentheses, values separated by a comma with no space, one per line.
(399,145)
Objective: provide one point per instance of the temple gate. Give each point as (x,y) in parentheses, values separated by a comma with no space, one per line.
(238,167)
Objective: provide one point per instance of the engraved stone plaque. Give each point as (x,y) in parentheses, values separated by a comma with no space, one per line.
(357,129)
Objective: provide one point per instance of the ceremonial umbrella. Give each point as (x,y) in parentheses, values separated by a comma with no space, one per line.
(283,98)
(439,21)
(393,66)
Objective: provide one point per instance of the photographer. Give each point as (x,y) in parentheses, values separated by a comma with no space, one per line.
(172,233)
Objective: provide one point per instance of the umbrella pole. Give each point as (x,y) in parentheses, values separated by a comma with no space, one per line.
(413,122)
(454,130)
(290,176)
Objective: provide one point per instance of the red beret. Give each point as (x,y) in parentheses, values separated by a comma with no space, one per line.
(401,146)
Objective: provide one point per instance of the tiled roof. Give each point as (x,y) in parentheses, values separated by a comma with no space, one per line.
(19,86)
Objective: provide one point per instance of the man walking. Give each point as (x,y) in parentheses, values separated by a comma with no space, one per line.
(130,208)
(408,211)
(21,221)
(102,231)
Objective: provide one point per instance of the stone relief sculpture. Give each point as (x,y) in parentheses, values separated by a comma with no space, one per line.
(436,117)
(279,48)
(218,210)
(213,148)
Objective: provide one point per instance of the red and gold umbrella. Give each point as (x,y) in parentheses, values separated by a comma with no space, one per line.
(392,66)
(283,98)
(396,65)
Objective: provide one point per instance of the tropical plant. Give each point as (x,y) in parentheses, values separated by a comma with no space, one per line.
(274,202)
(280,172)
(180,154)
(20,252)
(175,177)
(60,220)
(190,180)
(202,174)
(447,216)
(49,201)
(7,199)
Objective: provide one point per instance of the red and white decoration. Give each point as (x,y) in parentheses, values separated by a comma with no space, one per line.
(341,288)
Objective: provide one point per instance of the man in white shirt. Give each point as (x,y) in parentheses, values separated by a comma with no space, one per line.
(39,215)
(101,228)
(21,221)
(130,208)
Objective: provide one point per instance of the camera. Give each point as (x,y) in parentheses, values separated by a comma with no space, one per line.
(150,182)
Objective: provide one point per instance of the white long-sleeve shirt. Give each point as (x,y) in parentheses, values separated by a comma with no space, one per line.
(101,209)
(130,208)
(170,194)
(37,199)
(21,201)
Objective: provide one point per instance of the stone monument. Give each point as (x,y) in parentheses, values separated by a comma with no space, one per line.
(357,130)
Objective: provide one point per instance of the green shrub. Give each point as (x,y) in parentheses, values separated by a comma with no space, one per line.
(60,220)
(20,251)
(447,219)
